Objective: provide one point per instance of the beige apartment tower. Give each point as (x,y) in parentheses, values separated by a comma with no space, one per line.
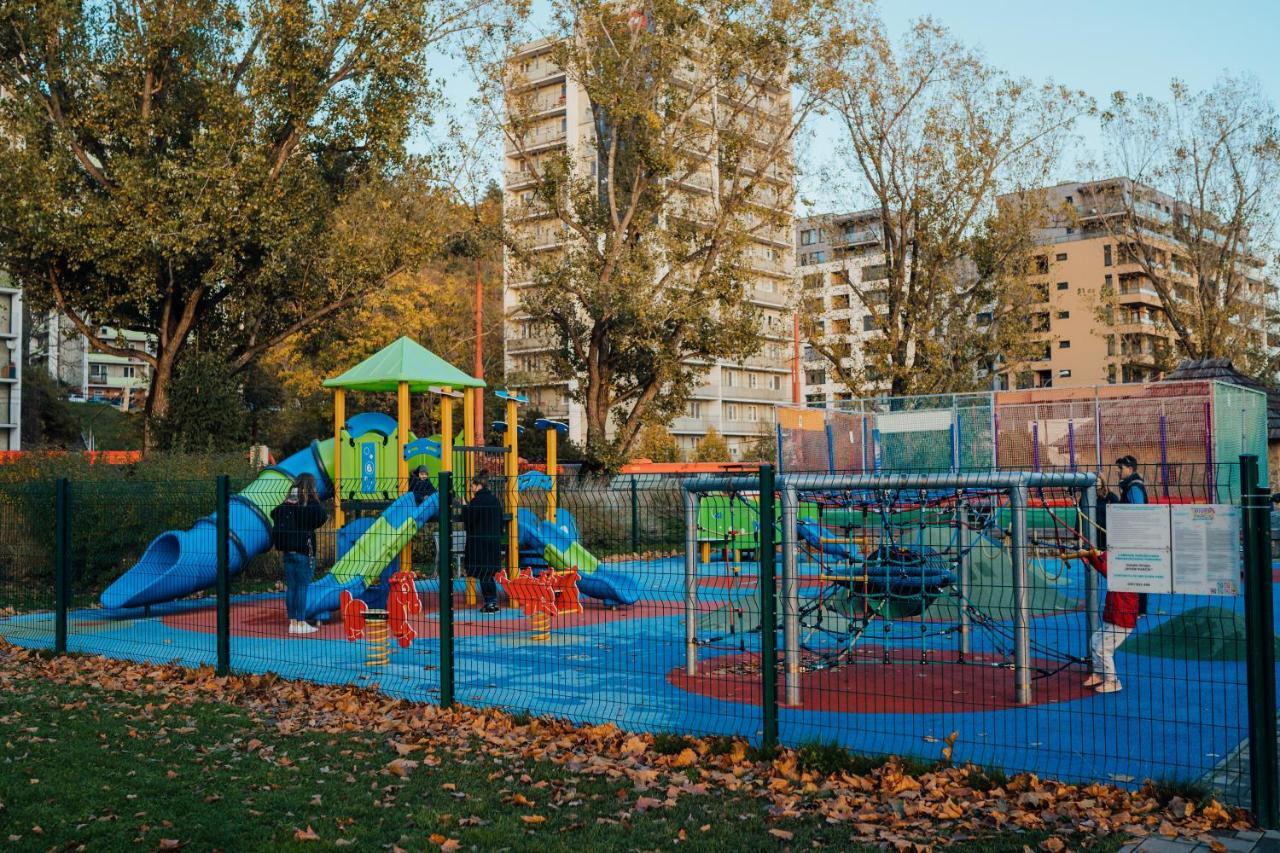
(736,399)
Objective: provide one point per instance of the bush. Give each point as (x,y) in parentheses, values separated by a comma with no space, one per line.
(712,448)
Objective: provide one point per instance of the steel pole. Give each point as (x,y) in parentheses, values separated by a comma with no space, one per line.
(962,540)
(790,602)
(691,582)
(1089,509)
(1021,598)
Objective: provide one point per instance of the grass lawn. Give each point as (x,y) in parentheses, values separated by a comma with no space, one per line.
(112,769)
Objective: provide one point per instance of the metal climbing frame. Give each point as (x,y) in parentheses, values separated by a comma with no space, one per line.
(1016,485)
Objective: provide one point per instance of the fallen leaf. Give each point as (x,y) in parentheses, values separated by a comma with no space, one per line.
(402,767)
(307,834)
(532,818)
(782,833)
(169,844)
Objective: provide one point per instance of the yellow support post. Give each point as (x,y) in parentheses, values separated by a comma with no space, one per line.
(339,419)
(513,492)
(552,473)
(446,431)
(402,464)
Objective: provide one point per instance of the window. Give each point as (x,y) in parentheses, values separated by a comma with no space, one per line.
(840,300)
(753,413)
(731,411)
(1064,344)
(1111,374)
(1062,285)
(751,379)
(875,272)
(869,323)
(695,408)
(98,373)
(984,318)
(819,257)
(1064,374)
(1042,264)
(129,371)
(815,377)
(728,378)
(1106,281)
(1061,256)
(1064,315)
(807,237)
(1106,258)
(775,382)
(1070,200)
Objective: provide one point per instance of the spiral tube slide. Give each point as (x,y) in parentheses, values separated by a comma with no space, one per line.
(181,562)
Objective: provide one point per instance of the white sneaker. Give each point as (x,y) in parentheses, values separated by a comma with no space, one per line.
(302,628)
(1108,687)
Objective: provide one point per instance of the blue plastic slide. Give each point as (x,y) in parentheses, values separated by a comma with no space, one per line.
(376,552)
(558,546)
(181,562)
(812,533)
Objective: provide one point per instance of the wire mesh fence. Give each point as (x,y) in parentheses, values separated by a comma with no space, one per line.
(907,617)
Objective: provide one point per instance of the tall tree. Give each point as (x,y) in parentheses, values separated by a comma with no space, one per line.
(1198,215)
(933,137)
(688,160)
(216,168)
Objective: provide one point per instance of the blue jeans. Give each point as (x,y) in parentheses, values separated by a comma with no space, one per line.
(299,569)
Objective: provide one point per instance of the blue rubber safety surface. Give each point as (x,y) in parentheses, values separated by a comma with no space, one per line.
(1175,719)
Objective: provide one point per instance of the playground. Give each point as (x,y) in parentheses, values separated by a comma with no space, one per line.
(951,609)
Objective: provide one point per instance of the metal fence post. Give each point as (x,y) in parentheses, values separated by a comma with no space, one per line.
(635,516)
(1259,640)
(224,574)
(61,561)
(768,611)
(445,573)
(1018,499)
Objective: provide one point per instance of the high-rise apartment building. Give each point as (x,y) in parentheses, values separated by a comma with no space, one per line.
(10,365)
(839,260)
(1099,316)
(736,399)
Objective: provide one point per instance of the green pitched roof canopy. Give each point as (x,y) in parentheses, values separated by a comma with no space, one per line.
(404,360)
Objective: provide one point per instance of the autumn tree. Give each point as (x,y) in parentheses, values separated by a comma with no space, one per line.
(233,171)
(655,218)
(1193,210)
(711,448)
(657,444)
(932,137)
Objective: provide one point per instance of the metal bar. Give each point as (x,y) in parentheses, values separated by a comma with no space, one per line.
(1164,455)
(61,562)
(1259,631)
(768,611)
(1021,598)
(691,582)
(1035,441)
(444,571)
(224,574)
(635,516)
(1071,444)
(1089,509)
(790,600)
(962,540)
(944,480)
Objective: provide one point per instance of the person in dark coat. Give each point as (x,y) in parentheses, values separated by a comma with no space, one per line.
(420,484)
(482,556)
(293,534)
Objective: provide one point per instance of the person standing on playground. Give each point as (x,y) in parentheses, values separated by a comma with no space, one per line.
(482,555)
(293,534)
(1121,610)
(420,484)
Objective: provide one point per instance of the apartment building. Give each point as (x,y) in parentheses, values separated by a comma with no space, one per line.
(839,259)
(10,365)
(1098,315)
(736,399)
(93,375)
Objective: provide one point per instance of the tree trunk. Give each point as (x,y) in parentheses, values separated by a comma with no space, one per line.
(157,398)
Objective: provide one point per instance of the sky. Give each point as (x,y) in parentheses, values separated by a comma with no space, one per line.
(1095,45)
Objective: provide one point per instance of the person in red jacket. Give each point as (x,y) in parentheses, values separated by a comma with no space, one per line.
(1120,614)
(1121,610)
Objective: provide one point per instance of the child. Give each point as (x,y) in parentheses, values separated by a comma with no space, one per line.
(1119,617)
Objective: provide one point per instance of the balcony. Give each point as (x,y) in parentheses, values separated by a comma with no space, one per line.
(538,140)
(753,395)
(515,178)
(859,237)
(1138,293)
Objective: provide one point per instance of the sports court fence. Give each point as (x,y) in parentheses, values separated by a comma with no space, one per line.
(911,614)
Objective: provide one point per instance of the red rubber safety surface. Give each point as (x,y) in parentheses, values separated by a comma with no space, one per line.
(902,686)
(266,618)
